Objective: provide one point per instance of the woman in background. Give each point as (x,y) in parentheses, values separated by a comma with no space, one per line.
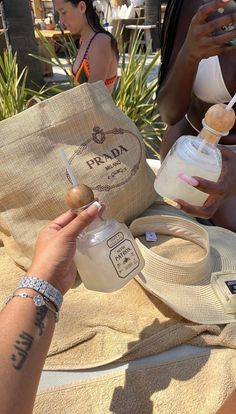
(198,70)
(97,58)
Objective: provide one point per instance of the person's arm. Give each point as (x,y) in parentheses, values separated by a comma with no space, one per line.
(26,336)
(193,42)
(100,57)
(181,70)
(229,405)
(27,330)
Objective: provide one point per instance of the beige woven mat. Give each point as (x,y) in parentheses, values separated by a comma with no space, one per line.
(197,384)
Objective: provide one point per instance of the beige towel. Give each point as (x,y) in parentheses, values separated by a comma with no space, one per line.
(9,275)
(97,328)
(127,325)
(197,384)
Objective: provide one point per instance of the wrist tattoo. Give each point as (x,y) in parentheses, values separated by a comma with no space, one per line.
(25,341)
(39,320)
(22,347)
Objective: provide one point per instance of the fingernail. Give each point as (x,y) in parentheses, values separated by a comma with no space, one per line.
(172,202)
(224,1)
(94,208)
(189,180)
(97,204)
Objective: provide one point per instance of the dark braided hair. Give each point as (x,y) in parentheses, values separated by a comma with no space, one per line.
(168,33)
(94,22)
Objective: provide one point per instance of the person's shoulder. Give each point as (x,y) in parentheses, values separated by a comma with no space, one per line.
(101,45)
(102,39)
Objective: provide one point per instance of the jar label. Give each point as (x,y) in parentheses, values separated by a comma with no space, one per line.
(114,240)
(124,258)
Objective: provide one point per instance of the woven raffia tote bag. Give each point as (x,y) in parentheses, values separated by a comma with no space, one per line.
(103,146)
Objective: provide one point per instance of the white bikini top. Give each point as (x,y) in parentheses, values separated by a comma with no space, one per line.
(209,85)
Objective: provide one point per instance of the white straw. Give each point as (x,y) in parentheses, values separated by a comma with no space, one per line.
(68,167)
(231,103)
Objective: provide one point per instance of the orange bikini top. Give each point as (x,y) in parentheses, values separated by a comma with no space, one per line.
(83,72)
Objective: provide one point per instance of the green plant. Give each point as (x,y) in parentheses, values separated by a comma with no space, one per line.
(14,95)
(70,51)
(135,95)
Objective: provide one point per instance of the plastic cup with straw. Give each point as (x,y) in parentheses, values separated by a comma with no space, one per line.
(68,167)
(231,103)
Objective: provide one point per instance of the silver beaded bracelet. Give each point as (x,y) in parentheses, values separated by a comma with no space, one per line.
(44,288)
(38,301)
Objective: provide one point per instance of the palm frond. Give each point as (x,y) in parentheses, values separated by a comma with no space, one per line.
(15,97)
(134,94)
